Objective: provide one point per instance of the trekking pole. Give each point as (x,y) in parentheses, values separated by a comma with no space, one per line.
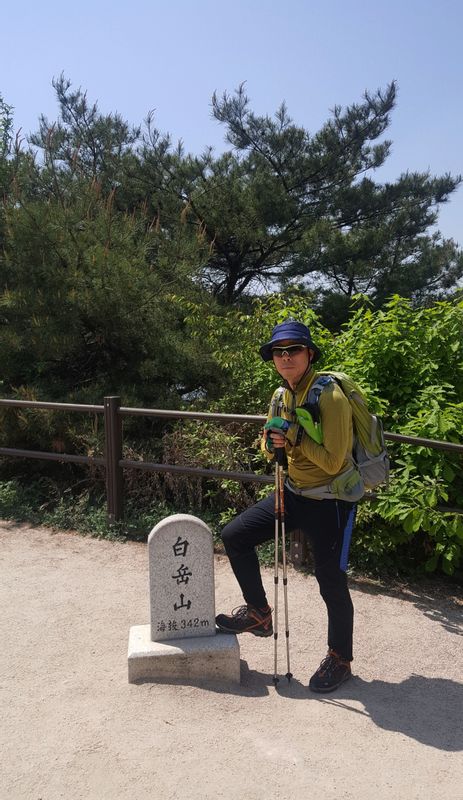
(281,505)
(279,453)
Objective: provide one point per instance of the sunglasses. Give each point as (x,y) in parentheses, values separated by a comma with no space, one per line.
(289,350)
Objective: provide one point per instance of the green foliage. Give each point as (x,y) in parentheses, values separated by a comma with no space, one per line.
(310,208)
(283,205)
(87,308)
(83,142)
(6,136)
(21,503)
(90,303)
(410,364)
(122,261)
(379,244)
(399,350)
(426,480)
(39,503)
(234,336)
(230,448)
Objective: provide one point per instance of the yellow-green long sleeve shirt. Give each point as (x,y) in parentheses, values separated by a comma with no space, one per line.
(310,464)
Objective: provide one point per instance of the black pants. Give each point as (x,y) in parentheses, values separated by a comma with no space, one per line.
(328,526)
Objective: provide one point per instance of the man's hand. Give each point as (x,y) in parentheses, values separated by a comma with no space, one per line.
(275,430)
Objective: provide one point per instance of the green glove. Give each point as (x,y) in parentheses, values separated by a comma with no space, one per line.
(278,425)
(313,429)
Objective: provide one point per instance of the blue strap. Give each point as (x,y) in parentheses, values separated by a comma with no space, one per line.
(312,403)
(344,560)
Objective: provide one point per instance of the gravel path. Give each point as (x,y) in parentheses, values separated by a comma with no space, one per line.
(72,726)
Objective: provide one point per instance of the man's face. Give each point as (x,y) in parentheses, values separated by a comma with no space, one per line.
(291,363)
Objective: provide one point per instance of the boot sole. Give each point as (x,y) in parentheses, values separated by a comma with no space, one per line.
(326,690)
(262,634)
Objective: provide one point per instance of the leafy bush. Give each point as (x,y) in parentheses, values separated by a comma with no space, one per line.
(410,364)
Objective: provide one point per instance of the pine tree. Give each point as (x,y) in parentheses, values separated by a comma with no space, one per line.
(285,205)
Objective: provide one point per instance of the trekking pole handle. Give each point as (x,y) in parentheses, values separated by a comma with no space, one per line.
(280,455)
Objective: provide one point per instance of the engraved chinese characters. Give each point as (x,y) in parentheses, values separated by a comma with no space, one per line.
(180,642)
(181,566)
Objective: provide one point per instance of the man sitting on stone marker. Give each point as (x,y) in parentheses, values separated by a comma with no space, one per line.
(327,523)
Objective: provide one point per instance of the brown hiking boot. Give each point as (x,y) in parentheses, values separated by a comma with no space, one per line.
(246,619)
(332,672)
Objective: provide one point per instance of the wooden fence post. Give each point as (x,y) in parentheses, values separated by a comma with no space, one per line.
(298,549)
(113,454)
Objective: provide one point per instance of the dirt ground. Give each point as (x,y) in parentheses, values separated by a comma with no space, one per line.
(73,727)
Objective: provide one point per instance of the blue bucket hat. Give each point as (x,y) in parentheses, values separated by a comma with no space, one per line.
(296,331)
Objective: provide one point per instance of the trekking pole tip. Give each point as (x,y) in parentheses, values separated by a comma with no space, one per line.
(275,680)
(289,675)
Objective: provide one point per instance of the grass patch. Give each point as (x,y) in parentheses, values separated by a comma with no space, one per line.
(39,503)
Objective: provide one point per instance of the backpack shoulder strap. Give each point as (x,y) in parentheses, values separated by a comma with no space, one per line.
(312,401)
(276,403)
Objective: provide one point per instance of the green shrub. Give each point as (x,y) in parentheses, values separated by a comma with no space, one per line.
(410,364)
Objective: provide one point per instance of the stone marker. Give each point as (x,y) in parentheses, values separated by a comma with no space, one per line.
(181,641)
(181,563)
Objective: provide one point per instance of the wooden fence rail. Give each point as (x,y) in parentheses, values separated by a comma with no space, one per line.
(114,463)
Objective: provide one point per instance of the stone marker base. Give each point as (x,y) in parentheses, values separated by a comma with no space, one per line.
(202,658)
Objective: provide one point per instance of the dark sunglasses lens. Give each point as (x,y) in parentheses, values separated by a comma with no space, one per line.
(291,350)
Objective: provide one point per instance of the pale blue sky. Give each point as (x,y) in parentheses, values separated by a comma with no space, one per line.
(133,57)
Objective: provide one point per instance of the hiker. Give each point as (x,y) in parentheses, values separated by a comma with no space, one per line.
(327,522)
